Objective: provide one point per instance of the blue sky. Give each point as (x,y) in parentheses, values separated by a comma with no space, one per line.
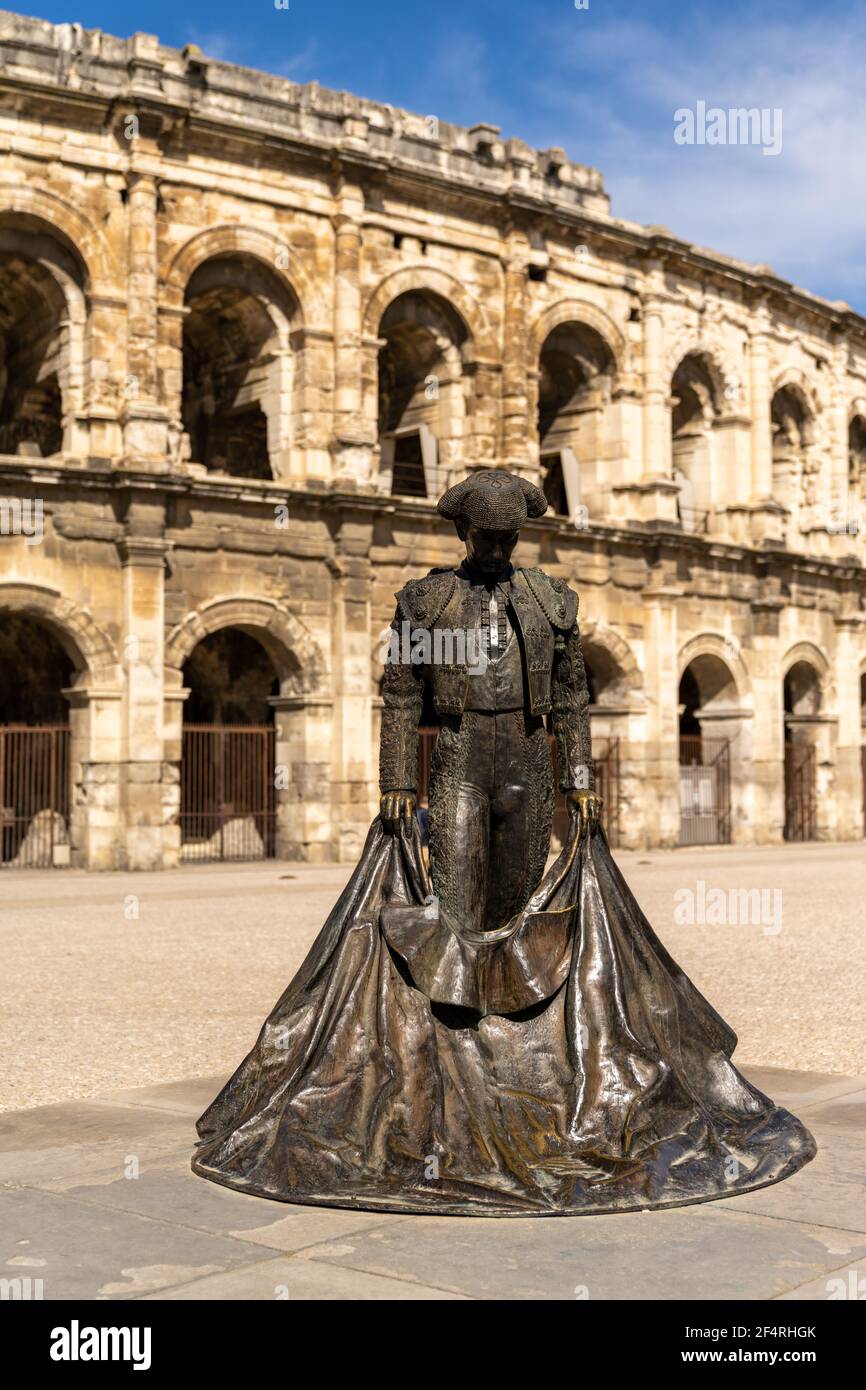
(603,83)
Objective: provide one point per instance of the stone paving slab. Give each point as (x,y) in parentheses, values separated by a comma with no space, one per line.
(690,1252)
(305,1282)
(73,1215)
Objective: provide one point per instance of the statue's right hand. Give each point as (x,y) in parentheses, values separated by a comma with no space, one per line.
(395,807)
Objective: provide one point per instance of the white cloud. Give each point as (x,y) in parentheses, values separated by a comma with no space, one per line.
(611,91)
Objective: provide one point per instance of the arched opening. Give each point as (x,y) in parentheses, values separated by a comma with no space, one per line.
(34,352)
(576,370)
(421,401)
(695,411)
(229,773)
(35,791)
(792,466)
(237,367)
(802,703)
(708,724)
(855,521)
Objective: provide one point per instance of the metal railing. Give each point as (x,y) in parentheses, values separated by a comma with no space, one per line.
(34,796)
(705,790)
(799,791)
(228,808)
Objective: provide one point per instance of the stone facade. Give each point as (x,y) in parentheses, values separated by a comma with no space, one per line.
(247,325)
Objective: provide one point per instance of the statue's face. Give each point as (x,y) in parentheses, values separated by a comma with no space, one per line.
(489,551)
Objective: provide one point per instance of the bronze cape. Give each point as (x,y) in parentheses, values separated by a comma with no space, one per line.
(561,1065)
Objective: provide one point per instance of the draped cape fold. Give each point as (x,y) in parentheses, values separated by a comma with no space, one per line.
(563,1065)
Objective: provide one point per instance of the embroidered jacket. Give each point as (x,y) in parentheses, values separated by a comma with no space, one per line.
(449,603)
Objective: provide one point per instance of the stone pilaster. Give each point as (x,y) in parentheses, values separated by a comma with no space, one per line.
(147,805)
(145,431)
(767,513)
(353,441)
(848,786)
(519,369)
(662,787)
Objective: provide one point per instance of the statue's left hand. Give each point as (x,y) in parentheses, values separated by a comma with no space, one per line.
(586,805)
(395,807)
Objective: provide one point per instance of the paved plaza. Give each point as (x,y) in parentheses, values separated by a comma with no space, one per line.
(99,1203)
(126,980)
(130,998)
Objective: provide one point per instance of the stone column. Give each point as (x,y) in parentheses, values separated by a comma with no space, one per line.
(657,424)
(145,423)
(768,514)
(146,803)
(353,444)
(303,750)
(353,772)
(841,509)
(662,784)
(849,776)
(768,752)
(96,821)
(653,499)
(519,411)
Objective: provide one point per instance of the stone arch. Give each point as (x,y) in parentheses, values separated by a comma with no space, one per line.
(296,656)
(233,328)
(797,463)
(426,352)
(581,311)
(88,646)
(44,358)
(480,339)
(266,247)
(302,711)
(711,647)
(710,352)
(796,380)
(620,676)
(811,655)
(857,451)
(94,698)
(715,716)
(700,388)
(578,357)
(65,221)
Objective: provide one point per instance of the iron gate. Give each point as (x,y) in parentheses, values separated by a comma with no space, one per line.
(799,791)
(705,790)
(228,803)
(34,796)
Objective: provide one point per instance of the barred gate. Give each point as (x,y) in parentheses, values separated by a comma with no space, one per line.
(799,791)
(228,803)
(705,790)
(34,796)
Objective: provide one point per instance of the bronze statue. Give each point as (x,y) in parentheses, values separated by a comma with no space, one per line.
(489,1038)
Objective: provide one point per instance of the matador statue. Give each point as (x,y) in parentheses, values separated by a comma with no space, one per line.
(488,1034)
(491,787)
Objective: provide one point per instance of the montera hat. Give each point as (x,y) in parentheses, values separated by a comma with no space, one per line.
(492,500)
